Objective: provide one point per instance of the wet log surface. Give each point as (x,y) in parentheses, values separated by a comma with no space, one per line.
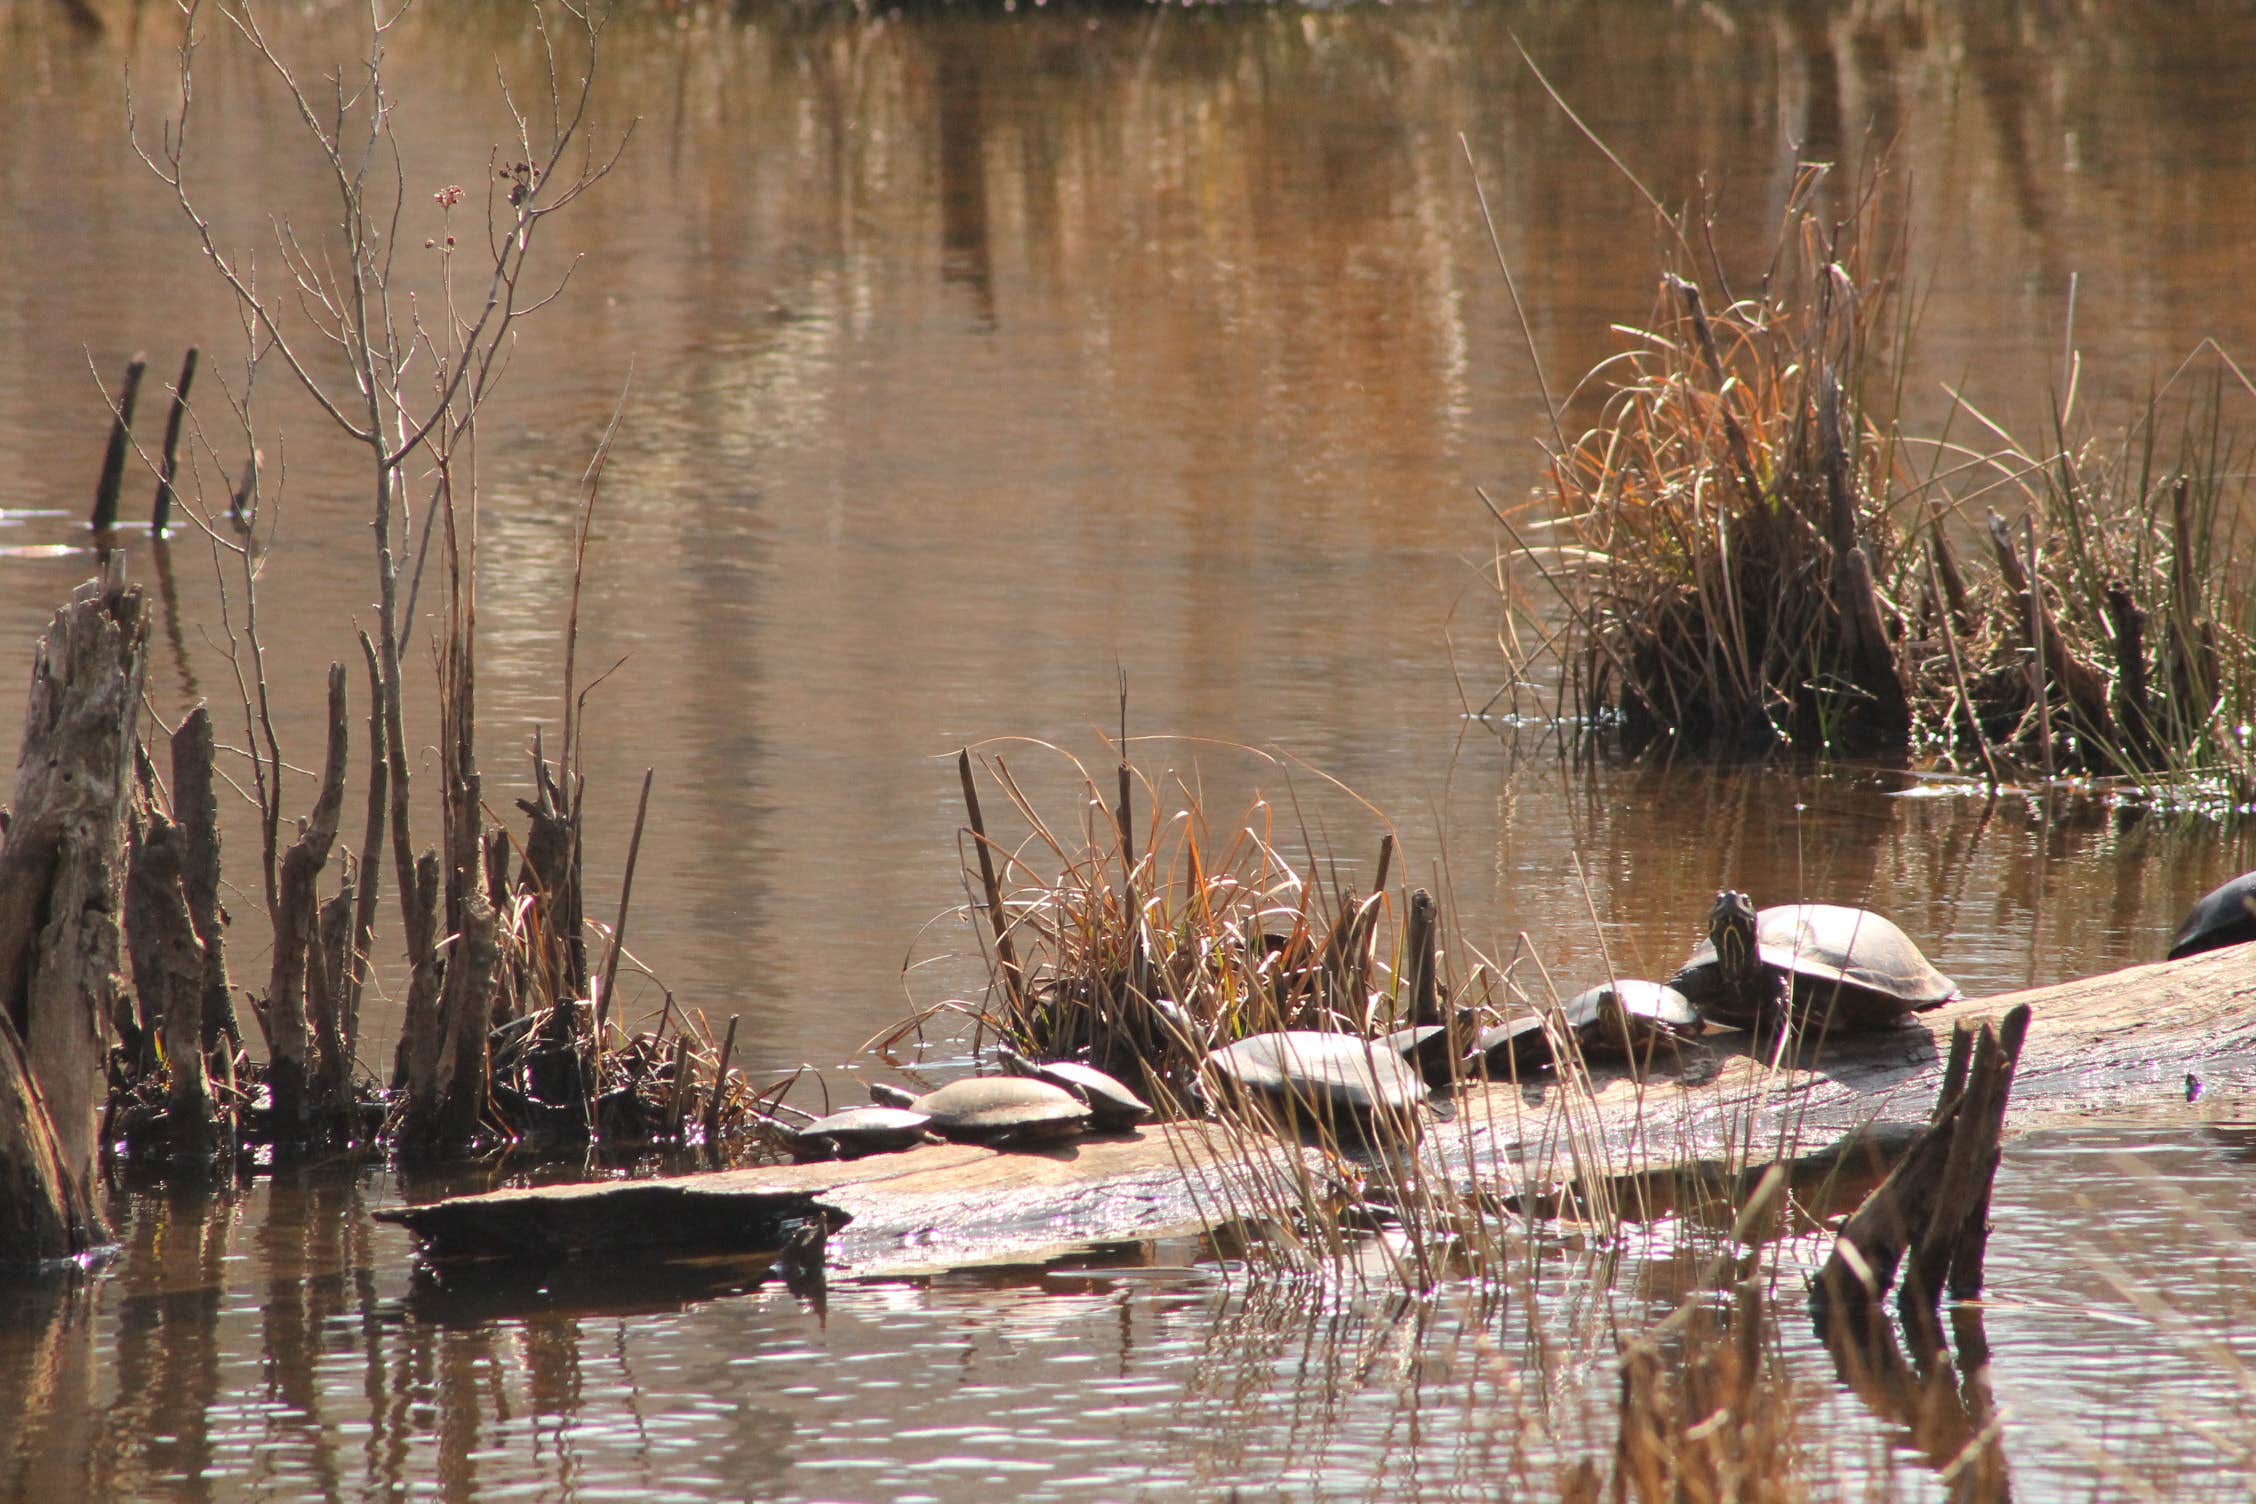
(2105,1047)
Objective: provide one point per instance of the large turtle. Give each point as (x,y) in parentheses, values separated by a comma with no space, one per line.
(1342,1081)
(2226,915)
(1840,968)
(994,1110)
(1613,1019)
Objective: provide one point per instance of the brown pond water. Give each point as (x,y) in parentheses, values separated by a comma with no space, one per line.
(976,360)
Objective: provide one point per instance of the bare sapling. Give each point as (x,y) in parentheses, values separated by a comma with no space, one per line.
(421,344)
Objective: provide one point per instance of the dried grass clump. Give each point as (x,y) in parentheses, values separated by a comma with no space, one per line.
(2135,657)
(1750,560)
(1731,579)
(1141,949)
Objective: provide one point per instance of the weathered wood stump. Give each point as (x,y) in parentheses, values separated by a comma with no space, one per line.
(61,883)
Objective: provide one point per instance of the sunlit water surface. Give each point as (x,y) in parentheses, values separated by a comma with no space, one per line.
(973,361)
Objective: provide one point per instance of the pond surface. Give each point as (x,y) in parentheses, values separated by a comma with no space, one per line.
(977,361)
(276,1345)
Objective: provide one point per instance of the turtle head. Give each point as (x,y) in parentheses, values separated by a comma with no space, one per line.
(1731,928)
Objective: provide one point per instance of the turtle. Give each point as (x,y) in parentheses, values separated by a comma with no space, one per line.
(853,1133)
(1849,968)
(1613,1019)
(995,1110)
(1111,1105)
(1517,1044)
(1343,1080)
(2226,915)
(1426,1048)
(1625,1016)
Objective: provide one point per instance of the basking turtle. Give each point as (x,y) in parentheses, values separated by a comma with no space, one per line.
(1613,1019)
(1846,968)
(995,1110)
(2225,916)
(1111,1105)
(1517,1044)
(1339,1079)
(1427,1049)
(853,1133)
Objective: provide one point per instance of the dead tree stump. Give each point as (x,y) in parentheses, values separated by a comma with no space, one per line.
(295,1076)
(62,872)
(1935,1205)
(168,974)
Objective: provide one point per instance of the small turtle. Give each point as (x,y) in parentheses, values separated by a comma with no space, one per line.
(1844,968)
(1426,1048)
(1627,1016)
(1341,1079)
(2225,916)
(853,1133)
(1517,1044)
(1111,1105)
(995,1110)
(1614,1019)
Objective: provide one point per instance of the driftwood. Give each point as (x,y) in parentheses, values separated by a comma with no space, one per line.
(2119,1042)
(168,979)
(62,873)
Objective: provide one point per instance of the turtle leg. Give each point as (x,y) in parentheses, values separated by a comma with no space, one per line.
(1774,1017)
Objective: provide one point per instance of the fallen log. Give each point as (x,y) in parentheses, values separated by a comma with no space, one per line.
(940,1207)
(2111,1044)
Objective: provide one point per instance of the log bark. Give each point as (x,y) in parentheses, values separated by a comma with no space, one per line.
(2120,1043)
(113,457)
(924,1211)
(62,873)
(45,1211)
(550,877)
(160,511)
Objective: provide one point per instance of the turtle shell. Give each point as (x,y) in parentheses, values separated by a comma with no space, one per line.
(1331,1076)
(2226,915)
(1850,967)
(1517,1044)
(1611,1019)
(858,1131)
(1625,1016)
(1110,1104)
(1003,1109)
(1429,1051)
